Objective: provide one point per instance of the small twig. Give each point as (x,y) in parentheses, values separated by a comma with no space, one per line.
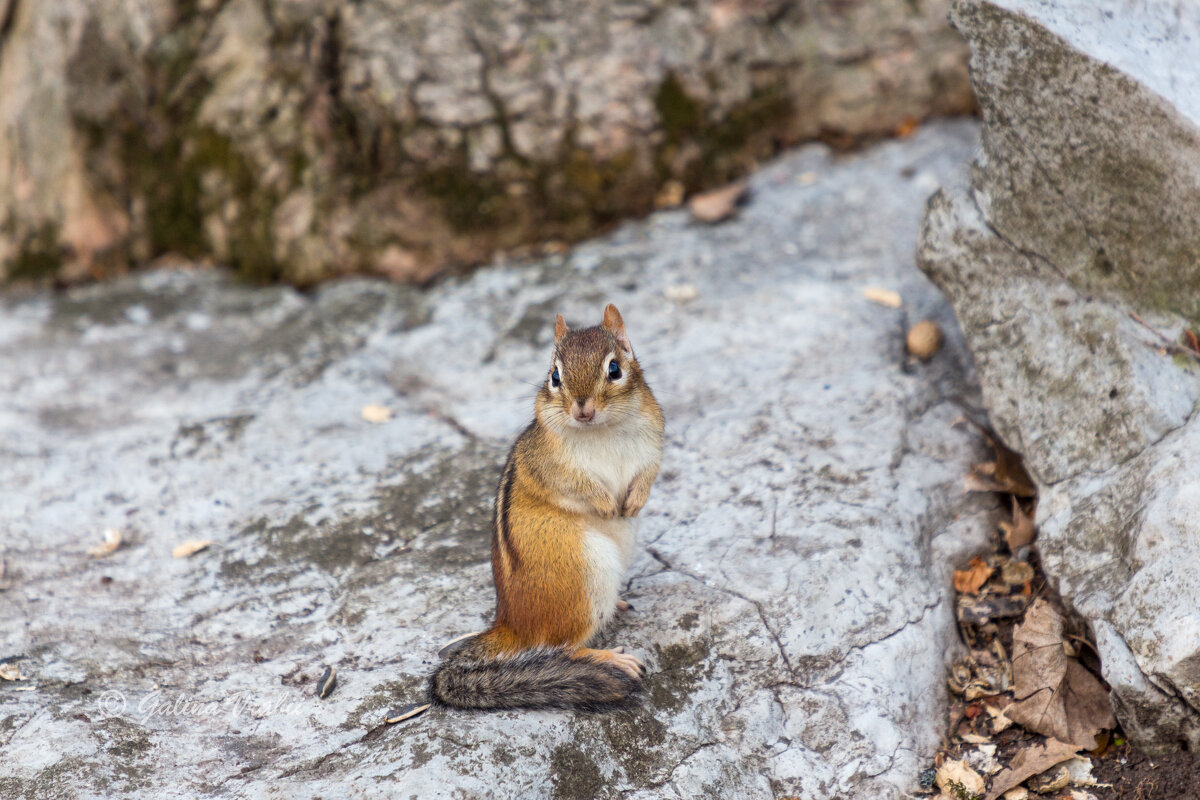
(1168,345)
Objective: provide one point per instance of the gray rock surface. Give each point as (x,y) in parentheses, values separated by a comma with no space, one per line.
(311,138)
(1082,210)
(792,583)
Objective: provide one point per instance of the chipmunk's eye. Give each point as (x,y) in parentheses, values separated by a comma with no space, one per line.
(614,370)
(555,379)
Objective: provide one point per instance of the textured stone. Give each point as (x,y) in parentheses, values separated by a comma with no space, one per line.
(792,579)
(312,138)
(1081,210)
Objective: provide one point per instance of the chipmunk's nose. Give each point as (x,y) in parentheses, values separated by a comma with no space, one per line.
(584,410)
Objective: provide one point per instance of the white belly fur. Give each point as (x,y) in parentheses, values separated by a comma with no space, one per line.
(608,550)
(613,457)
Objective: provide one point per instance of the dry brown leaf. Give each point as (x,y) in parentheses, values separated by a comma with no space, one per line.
(11,671)
(968,581)
(1056,696)
(1006,473)
(883,297)
(112,540)
(1050,781)
(1000,722)
(373,412)
(982,478)
(1192,341)
(1020,531)
(1033,760)
(719,204)
(906,128)
(959,772)
(1015,573)
(1010,470)
(190,547)
(989,477)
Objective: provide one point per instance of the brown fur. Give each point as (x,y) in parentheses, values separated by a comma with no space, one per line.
(535,653)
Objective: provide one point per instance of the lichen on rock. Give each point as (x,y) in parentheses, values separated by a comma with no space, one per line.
(406,138)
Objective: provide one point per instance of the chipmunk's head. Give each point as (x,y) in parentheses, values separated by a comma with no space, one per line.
(594,380)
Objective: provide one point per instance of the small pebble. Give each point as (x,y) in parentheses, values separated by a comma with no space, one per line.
(924,339)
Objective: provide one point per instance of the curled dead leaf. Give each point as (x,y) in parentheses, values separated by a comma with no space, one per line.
(190,547)
(112,540)
(11,671)
(1031,761)
(1020,531)
(981,674)
(968,581)
(954,775)
(1191,340)
(1000,722)
(1050,781)
(1006,473)
(1015,573)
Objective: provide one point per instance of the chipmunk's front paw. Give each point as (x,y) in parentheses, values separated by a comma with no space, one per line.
(607,508)
(635,500)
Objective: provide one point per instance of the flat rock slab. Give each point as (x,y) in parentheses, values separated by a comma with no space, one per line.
(790,591)
(1073,242)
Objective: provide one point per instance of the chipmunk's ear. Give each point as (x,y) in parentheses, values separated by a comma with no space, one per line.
(616,326)
(560,329)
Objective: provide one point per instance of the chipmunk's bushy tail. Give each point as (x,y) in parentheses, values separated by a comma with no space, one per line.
(543,677)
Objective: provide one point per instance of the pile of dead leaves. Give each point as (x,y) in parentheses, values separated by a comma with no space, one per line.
(1029,695)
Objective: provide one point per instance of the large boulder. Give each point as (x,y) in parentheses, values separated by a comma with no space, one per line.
(311,138)
(1073,242)
(791,589)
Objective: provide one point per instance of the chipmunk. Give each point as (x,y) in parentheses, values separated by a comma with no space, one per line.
(563,535)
